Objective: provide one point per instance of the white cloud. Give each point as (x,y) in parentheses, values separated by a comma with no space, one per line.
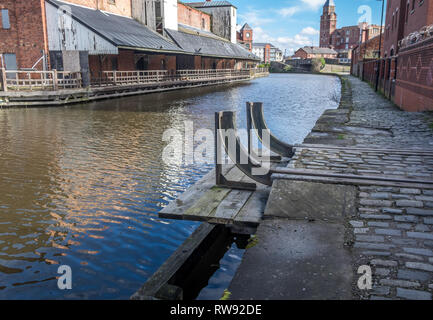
(289,11)
(310,31)
(306,5)
(254,17)
(290,44)
(314,4)
(257,19)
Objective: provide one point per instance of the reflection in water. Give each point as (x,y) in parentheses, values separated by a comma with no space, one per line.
(82,185)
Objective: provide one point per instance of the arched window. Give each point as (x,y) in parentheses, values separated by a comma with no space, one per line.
(163,64)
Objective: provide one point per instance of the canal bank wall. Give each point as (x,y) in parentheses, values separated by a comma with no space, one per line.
(27,92)
(322,236)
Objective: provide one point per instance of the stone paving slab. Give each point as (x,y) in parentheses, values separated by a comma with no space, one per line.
(307,200)
(295,260)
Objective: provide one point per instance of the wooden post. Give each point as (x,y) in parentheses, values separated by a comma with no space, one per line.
(55,80)
(4,80)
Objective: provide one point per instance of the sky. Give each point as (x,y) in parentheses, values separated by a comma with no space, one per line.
(291,24)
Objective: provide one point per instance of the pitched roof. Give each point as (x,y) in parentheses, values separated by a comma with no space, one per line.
(317,50)
(329,3)
(196,31)
(121,31)
(209,4)
(246,27)
(203,45)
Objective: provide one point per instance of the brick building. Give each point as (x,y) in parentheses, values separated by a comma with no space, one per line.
(328,23)
(405,71)
(224,17)
(92,36)
(402,18)
(195,18)
(365,51)
(245,37)
(267,52)
(23,37)
(345,38)
(309,52)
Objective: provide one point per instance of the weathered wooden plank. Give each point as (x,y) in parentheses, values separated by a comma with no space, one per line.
(252,212)
(155,283)
(210,201)
(187,199)
(207,204)
(227,210)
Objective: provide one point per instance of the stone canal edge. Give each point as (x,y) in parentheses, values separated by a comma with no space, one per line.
(315,236)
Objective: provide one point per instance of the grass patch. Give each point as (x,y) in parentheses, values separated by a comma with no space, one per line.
(226,295)
(252,242)
(341,137)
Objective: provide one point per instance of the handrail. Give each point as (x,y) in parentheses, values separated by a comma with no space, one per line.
(29,80)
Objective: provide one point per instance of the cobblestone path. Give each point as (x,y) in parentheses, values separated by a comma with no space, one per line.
(392,230)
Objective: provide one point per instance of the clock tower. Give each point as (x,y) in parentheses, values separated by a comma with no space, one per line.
(328,24)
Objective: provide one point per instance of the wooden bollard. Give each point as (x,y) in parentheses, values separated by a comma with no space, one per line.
(4,80)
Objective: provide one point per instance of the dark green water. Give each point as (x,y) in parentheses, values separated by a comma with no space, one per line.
(82,185)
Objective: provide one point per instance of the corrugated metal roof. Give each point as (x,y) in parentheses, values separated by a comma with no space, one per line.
(207,4)
(119,30)
(192,30)
(207,46)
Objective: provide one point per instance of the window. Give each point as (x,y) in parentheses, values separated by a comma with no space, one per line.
(5,19)
(10,61)
(413,5)
(203,23)
(407,12)
(248,35)
(112,2)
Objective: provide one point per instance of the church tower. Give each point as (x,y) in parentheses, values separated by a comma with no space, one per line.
(328,23)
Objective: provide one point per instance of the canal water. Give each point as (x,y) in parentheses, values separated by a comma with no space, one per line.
(82,185)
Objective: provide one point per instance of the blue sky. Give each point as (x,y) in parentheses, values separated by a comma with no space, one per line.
(291,24)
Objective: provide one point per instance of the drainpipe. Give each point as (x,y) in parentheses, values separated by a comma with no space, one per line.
(3,64)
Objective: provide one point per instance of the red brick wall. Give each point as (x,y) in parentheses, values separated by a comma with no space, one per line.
(394,26)
(339,37)
(301,54)
(193,17)
(421,16)
(406,20)
(414,85)
(328,24)
(122,7)
(27,35)
(155,62)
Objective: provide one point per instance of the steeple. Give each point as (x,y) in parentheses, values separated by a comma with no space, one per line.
(329,3)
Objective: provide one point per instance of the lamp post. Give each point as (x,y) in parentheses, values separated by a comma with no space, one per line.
(380,44)
(365,49)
